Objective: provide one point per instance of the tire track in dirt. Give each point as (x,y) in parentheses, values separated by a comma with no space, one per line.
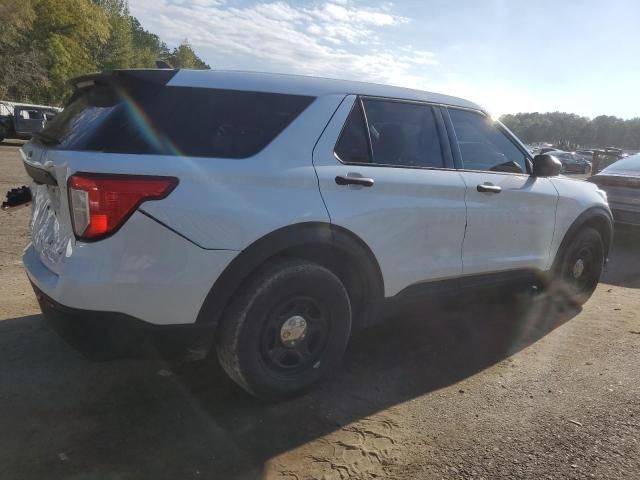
(357,450)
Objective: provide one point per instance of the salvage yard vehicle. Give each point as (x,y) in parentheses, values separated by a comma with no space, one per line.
(602,158)
(21,120)
(571,162)
(272,214)
(621,181)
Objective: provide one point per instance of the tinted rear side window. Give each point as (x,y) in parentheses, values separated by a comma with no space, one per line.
(403,134)
(173,121)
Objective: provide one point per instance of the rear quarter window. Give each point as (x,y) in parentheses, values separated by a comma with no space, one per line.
(174,121)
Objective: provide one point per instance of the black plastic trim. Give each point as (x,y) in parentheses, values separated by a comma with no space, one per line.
(585,217)
(445,144)
(452,139)
(303,235)
(360,181)
(363,112)
(452,286)
(104,335)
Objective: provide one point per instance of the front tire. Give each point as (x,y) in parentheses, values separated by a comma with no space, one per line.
(285,330)
(581,265)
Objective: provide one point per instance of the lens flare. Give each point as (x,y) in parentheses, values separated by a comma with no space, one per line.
(151,134)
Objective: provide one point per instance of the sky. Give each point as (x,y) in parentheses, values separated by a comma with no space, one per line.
(578,56)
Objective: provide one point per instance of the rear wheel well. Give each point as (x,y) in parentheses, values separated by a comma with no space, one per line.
(345,267)
(335,248)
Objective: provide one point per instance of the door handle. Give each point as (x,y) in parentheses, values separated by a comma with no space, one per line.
(489,188)
(361,181)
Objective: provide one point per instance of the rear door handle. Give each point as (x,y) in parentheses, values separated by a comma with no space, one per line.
(348,180)
(489,188)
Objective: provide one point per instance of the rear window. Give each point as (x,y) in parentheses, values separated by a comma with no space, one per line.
(154,119)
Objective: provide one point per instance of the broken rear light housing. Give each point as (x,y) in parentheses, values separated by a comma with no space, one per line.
(101,203)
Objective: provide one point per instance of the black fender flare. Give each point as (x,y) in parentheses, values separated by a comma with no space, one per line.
(597,217)
(300,239)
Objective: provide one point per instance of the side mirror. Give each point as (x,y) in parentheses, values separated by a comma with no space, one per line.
(546,166)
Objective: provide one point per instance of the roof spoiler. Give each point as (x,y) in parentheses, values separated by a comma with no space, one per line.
(158,76)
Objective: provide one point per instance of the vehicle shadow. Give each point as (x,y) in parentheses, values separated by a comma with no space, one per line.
(623,268)
(63,416)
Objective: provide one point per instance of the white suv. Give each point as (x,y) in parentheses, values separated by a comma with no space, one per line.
(270,214)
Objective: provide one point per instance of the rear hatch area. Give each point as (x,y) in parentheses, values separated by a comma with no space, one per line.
(49,226)
(96,120)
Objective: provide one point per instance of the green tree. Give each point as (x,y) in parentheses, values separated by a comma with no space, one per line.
(183,56)
(118,50)
(23,71)
(570,130)
(71,33)
(43,43)
(632,133)
(147,46)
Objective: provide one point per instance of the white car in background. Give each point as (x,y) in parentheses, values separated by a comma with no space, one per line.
(271,214)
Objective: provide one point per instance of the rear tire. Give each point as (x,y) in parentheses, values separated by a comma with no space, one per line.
(285,330)
(581,265)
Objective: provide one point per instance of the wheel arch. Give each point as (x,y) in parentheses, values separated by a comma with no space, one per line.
(598,218)
(334,247)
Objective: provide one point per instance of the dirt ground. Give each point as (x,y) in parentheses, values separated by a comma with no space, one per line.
(480,389)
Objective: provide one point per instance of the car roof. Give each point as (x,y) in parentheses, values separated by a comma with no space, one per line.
(305,85)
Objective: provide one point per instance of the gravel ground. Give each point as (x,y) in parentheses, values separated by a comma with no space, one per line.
(486,388)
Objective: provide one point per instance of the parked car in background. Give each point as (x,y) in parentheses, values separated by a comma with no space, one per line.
(272,214)
(621,181)
(602,158)
(546,150)
(571,161)
(21,120)
(586,154)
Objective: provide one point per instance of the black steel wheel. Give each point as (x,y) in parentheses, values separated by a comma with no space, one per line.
(295,334)
(286,329)
(582,264)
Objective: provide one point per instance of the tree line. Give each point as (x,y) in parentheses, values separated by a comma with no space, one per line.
(44,43)
(569,129)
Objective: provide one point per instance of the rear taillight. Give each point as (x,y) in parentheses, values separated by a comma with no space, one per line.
(101,203)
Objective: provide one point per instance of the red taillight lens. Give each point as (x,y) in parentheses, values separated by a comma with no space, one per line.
(101,203)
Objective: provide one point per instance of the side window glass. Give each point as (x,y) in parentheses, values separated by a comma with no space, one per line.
(403,134)
(483,146)
(353,145)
